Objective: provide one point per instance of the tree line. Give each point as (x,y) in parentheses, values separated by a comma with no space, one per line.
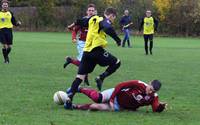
(176,17)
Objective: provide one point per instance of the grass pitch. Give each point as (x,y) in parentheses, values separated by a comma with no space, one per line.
(28,83)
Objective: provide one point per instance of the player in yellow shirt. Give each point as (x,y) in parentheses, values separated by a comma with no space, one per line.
(149,25)
(94,52)
(7,20)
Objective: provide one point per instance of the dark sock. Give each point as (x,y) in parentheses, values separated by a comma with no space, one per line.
(123,43)
(74,87)
(128,41)
(4,53)
(151,47)
(146,47)
(8,50)
(75,62)
(111,69)
(86,81)
(104,75)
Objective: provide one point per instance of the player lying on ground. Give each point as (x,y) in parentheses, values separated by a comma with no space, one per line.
(129,95)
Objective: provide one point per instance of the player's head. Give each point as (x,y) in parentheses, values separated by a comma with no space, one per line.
(148,13)
(91,10)
(153,87)
(126,12)
(4,5)
(110,13)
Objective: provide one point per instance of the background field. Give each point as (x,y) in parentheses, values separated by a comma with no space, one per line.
(28,83)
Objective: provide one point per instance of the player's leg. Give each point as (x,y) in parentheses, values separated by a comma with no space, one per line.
(92,94)
(69,60)
(93,107)
(104,58)
(128,38)
(87,65)
(8,52)
(9,42)
(151,43)
(146,44)
(106,94)
(100,107)
(86,81)
(4,52)
(80,46)
(3,42)
(76,62)
(74,88)
(96,96)
(125,38)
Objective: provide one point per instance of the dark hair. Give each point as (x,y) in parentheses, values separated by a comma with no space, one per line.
(110,10)
(4,1)
(156,84)
(91,5)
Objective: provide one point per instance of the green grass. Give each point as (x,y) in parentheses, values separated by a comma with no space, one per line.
(28,83)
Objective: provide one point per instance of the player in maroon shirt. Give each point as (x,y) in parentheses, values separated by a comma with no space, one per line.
(80,41)
(129,95)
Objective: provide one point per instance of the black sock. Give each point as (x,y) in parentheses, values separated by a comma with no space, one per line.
(111,69)
(151,46)
(4,53)
(128,41)
(146,47)
(74,87)
(104,75)
(100,99)
(8,50)
(86,81)
(123,43)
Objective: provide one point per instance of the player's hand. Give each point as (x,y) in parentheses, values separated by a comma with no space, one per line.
(19,23)
(74,41)
(161,107)
(70,27)
(123,28)
(165,104)
(111,106)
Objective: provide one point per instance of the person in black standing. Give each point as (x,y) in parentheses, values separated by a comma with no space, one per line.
(149,25)
(7,20)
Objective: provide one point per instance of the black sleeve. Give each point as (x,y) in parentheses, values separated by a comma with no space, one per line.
(141,24)
(13,20)
(82,22)
(155,24)
(121,22)
(108,29)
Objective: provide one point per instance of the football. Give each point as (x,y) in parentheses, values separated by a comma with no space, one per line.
(60,97)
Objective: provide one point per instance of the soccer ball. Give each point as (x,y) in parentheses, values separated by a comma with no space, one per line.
(60,97)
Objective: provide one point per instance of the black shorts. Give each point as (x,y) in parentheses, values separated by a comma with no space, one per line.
(148,37)
(96,56)
(6,36)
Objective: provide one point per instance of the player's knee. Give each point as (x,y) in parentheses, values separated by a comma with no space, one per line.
(82,77)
